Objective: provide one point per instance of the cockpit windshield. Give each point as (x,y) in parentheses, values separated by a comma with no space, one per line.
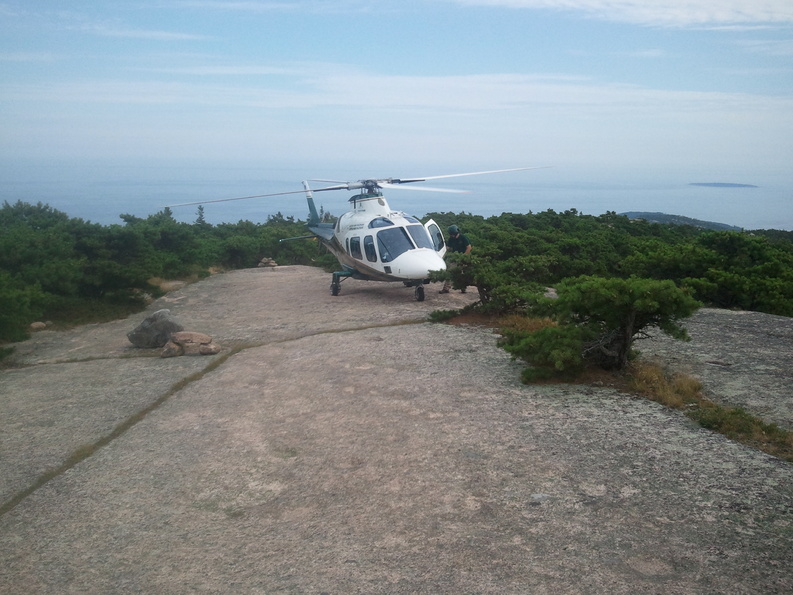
(392,242)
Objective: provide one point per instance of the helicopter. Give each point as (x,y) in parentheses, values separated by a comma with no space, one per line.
(372,241)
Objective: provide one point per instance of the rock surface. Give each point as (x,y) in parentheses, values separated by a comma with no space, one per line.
(344,445)
(744,359)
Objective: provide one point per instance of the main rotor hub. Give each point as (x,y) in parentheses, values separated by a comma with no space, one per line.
(372,186)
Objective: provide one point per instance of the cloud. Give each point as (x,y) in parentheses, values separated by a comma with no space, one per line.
(149,34)
(73,20)
(293,6)
(241,6)
(313,86)
(649,54)
(770,47)
(27,57)
(226,70)
(663,13)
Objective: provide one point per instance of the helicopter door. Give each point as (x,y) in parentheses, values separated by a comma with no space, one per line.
(437,236)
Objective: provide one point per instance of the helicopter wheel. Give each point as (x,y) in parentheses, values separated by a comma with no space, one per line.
(419,293)
(335,287)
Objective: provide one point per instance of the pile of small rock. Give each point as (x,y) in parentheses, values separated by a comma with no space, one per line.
(189,343)
(161,329)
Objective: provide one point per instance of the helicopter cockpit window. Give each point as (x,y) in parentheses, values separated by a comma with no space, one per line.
(392,242)
(420,236)
(380,222)
(411,219)
(355,248)
(368,248)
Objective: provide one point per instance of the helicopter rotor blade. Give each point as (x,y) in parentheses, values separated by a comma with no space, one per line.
(422,189)
(395,182)
(369,185)
(473,173)
(204,202)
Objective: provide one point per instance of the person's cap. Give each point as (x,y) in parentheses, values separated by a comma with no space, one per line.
(453,229)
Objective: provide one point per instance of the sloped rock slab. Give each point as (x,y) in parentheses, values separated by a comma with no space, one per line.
(345,447)
(744,359)
(405,459)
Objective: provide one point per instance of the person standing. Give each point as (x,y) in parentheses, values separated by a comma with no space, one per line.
(457,243)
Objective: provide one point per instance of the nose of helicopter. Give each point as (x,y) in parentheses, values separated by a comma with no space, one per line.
(416,264)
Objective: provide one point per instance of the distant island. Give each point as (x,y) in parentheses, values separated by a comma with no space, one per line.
(679,220)
(722,185)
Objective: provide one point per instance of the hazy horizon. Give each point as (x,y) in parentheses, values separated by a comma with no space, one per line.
(203,99)
(147,190)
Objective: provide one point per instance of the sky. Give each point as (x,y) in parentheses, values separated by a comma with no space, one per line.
(116,105)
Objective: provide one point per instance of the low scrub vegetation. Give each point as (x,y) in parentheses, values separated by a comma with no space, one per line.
(595,321)
(70,271)
(516,255)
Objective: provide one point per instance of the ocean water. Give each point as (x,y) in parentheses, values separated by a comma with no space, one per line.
(102,194)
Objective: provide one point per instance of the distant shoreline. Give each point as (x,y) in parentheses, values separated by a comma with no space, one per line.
(722,185)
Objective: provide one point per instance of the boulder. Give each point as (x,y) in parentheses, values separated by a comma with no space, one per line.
(267,262)
(155,330)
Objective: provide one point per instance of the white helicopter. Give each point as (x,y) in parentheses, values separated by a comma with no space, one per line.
(373,242)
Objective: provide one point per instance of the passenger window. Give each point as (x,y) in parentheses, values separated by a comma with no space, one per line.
(355,248)
(368,248)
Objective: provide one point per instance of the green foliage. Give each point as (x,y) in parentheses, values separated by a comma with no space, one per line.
(598,321)
(52,266)
(552,351)
(721,268)
(51,260)
(738,424)
(615,311)
(19,305)
(443,315)
(732,422)
(240,251)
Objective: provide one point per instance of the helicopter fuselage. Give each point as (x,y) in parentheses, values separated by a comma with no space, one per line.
(373,242)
